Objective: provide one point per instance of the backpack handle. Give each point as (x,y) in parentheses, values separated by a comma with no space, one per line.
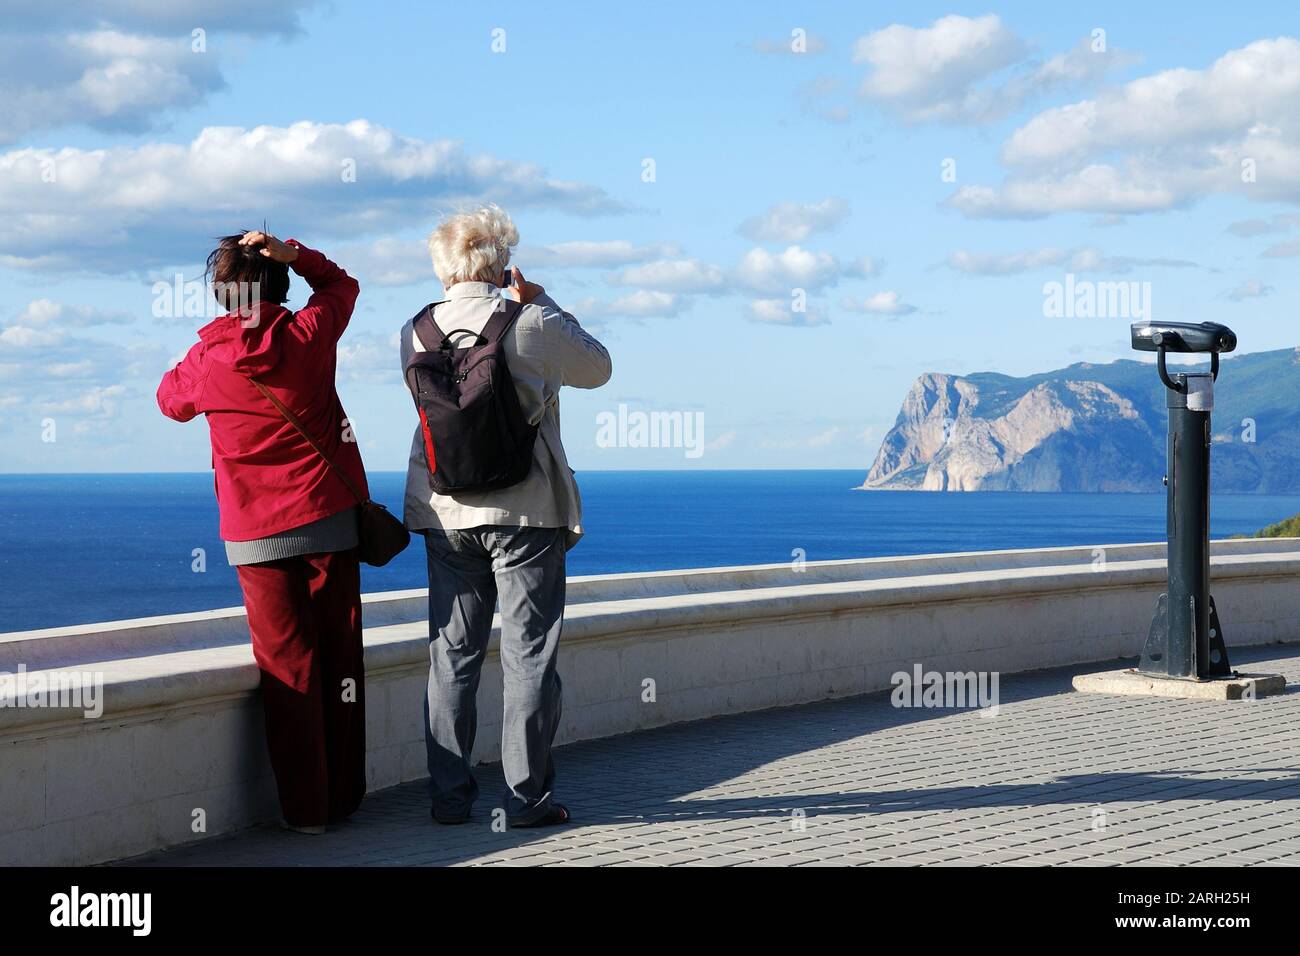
(503,316)
(446,339)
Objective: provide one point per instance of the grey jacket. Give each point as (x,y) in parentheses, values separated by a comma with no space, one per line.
(545,349)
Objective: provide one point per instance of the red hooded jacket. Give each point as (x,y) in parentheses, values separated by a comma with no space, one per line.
(268,478)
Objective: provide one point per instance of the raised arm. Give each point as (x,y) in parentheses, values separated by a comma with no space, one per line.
(333,294)
(583,361)
(181,391)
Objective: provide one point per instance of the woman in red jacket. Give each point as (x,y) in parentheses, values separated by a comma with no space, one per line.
(289,523)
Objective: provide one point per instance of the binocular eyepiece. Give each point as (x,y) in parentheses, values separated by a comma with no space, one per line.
(1183,337)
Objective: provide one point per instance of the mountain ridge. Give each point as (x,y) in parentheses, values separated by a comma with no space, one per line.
(1088,427)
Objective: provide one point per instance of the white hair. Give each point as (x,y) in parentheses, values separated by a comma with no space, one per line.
(473,246)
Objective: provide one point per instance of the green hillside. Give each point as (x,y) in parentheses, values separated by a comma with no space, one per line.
(1290,528)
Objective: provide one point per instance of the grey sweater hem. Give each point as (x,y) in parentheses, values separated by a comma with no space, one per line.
(338,532)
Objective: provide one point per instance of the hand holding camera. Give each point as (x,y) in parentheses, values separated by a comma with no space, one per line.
(523,290)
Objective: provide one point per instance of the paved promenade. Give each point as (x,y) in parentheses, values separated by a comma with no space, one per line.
(1056,777)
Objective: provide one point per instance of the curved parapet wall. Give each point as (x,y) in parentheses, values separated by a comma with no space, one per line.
(172,748)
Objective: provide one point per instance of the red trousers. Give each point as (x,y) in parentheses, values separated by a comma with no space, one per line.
(304,614)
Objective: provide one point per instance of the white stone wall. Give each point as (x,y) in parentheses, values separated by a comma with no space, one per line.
(182,729)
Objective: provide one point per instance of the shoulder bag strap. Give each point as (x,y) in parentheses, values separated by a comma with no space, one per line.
(293,420)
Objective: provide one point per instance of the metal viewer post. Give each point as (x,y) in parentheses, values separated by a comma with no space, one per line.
(1186,640)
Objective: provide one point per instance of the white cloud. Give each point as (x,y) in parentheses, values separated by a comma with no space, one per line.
(43,313)
(1159,142)
(104,79)
(931,72)
(1084,259)
(795,267)
(95,402)
(990,264)
(118,66)
(1248,228)
(46,371)
(882,303)
(793,222)
(1250,289)
(1097,189)
(599,254)
(370,357)
(159,17)
(641,304)
(387,262)
(969,69)
(1088,259)
(672,275)
(781,312)
(127,209)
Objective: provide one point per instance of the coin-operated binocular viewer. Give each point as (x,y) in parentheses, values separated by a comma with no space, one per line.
(1186,640)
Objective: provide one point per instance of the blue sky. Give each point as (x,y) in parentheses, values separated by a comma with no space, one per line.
(124,151)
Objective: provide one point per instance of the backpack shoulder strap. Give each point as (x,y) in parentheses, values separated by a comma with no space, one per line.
(426,328)
(502,319)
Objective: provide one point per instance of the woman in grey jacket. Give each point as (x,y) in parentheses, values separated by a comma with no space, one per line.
(506,544)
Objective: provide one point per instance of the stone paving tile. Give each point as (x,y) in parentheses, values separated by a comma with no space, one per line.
(1056,778)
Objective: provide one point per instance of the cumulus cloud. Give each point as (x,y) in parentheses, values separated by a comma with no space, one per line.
(794,267)
(153,17)
(48,314)
(794,222)
(932,72)
(118,66)
(1158,142)
(105,79)
(1000,264)
(882,303)
(759,270)
(44,370)
(782,312)
(387,261)
(672,275)
(970,69)
(370,357)
(127,209)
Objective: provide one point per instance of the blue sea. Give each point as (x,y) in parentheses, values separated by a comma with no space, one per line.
(81,548)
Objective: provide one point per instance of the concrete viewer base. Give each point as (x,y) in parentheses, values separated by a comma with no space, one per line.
(1130,682)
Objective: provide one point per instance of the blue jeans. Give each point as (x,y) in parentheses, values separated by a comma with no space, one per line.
(469,570)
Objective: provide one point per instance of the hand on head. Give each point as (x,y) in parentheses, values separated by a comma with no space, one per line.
(269,246)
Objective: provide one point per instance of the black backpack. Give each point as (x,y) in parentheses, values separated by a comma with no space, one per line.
(476,437)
